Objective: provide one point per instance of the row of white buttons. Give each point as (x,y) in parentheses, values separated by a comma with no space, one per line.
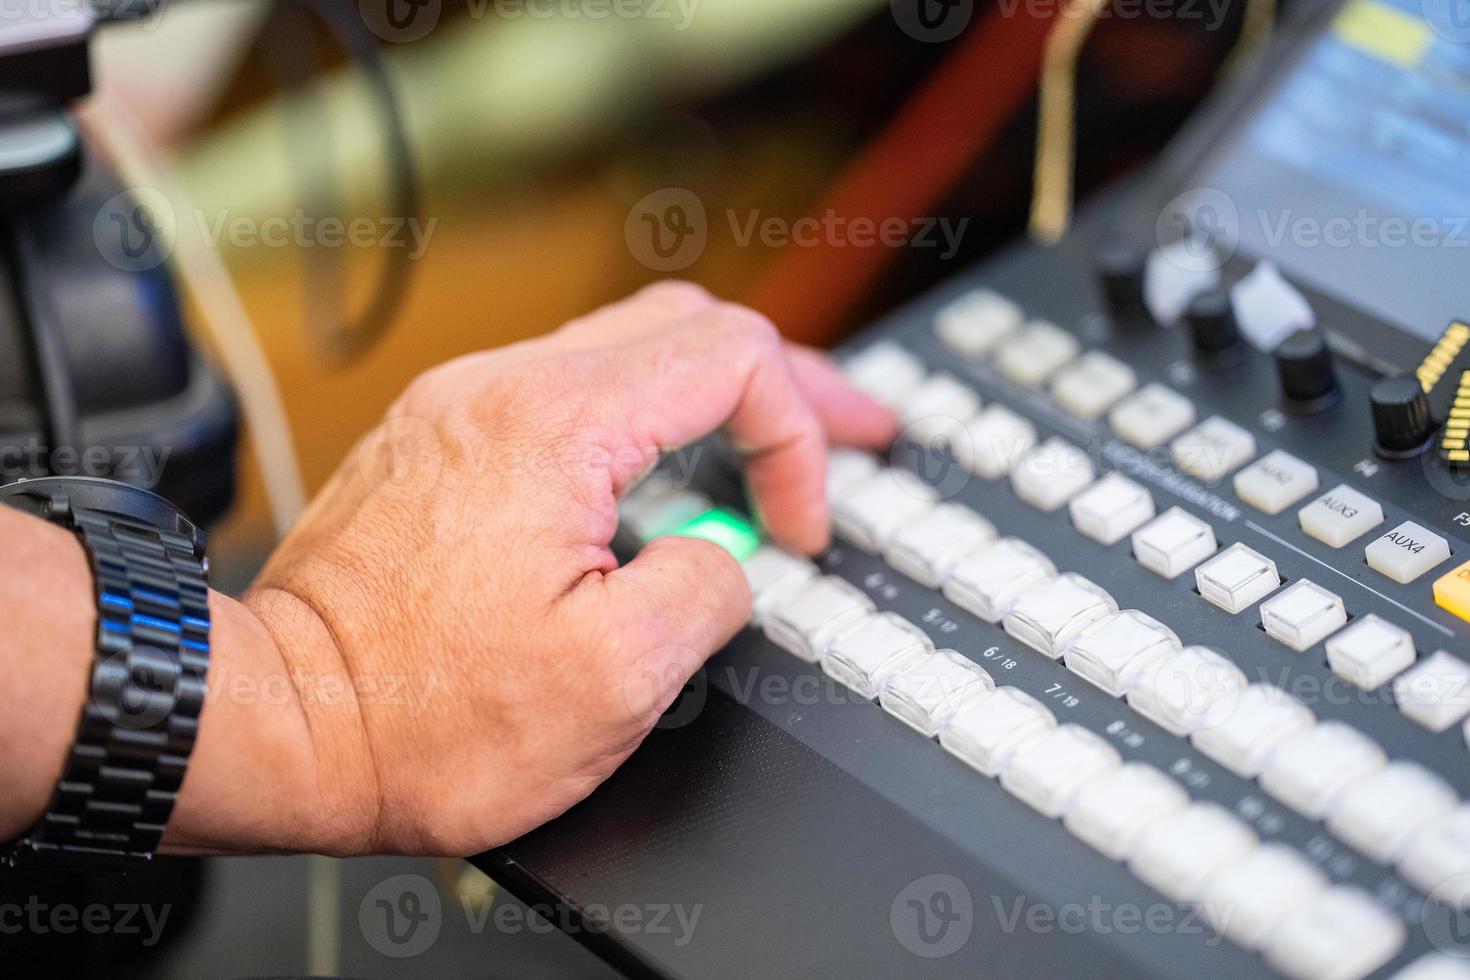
(997,441)
(894,512)
(984,323)
(826,620)
(1155,414)
(1057,473)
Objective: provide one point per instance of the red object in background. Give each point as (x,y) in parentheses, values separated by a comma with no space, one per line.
(907,171)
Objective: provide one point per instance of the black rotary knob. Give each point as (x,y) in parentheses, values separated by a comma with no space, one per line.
(1401,416)
(1211,321)
(1120,271)
(1304,364)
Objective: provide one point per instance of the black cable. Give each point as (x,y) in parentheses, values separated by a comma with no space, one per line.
(338,338)
(346,341)
(49,361)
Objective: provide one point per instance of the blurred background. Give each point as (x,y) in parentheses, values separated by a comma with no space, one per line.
(821,160)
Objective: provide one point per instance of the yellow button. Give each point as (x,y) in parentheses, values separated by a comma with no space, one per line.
(1452,591)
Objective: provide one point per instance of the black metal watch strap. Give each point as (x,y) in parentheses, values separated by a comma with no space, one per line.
(141,718)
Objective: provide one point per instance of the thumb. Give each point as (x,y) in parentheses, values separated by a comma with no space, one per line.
(670,608)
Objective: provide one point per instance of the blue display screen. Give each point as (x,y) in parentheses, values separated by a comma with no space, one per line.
(1355,175)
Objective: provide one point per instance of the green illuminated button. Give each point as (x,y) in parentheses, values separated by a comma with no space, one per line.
(725,528)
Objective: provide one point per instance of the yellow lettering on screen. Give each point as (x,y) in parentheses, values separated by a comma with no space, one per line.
(1383,31)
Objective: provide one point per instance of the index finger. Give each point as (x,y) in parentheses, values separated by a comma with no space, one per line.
(727,368)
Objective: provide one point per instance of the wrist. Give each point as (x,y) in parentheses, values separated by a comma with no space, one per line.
(51,641)
(263,776)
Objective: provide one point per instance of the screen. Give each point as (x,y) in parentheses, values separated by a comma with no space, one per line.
(1354,176)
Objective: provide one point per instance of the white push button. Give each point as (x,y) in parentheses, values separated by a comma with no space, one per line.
(926,548)
(1380,813)
(1436,693)
(1340,515)
(865,655)
(1111,811)
(1264,717)
(1175,274)
(1092,383)
(1309,770)
(1407,552)
(771,572)
(1111,508)
(1437,859)
(1303,614)
(803,621)
(1178,853)
(1173,542)
(846,468)
(977,321)
(1275,482)
(1151,416)
(1213,448)
(870,511)
(989,730)
(1268,308)
(928,692)
(1047,616)
(1370,652)
(1193,689)
(934,411)
(1341,934)
(1236,578)
(1249,896)
(987,581)
(885,371)
(1051,474)
(993,442)
(1435,966)
(658,505)
(1047,773)
(1114,652)
(1034,354)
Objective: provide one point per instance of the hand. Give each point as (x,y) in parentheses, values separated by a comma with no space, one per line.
(460,558)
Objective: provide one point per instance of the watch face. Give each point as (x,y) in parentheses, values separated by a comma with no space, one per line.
(107,497)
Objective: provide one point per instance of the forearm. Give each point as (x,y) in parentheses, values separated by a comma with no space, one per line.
(252,782)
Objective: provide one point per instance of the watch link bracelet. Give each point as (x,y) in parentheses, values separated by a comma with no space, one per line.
(141,717)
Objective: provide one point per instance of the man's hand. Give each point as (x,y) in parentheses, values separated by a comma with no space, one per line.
(467,657)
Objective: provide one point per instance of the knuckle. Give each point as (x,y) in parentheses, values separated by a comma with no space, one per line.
(679,293)
(753,330)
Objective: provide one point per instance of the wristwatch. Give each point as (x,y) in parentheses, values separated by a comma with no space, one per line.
(141,717)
